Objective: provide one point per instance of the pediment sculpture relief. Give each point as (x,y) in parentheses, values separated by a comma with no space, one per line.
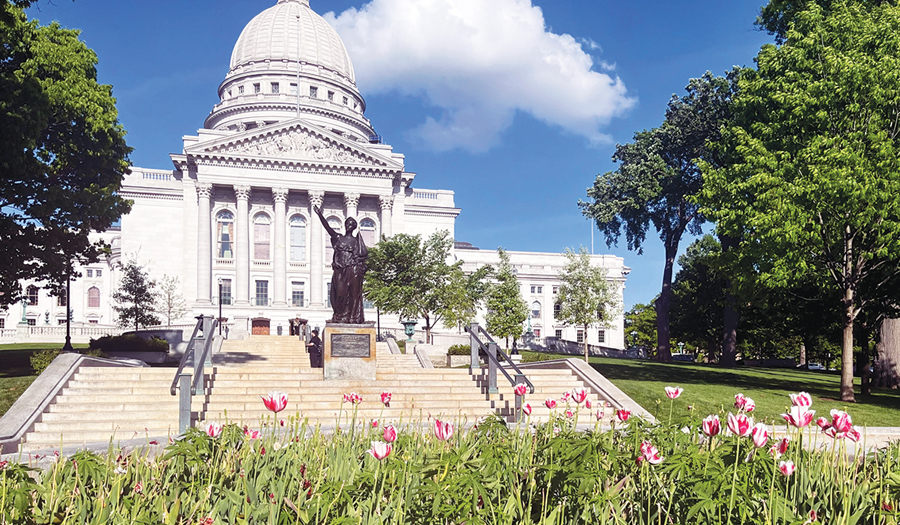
(304,146)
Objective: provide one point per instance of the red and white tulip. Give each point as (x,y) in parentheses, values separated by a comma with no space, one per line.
(275,401)
(386,398)
(840,420)
(380,450)
(801,399)
(389,434)
(520,389)
(799,416)
(759,434)
(579,394)
(526,409)
(213,429)
(786,467)
(711,425)
(673,391)
(740,424)
(443,430)
(550,403)
(650,454)
(623,415)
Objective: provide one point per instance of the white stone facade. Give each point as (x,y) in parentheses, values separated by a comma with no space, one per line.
(288,134)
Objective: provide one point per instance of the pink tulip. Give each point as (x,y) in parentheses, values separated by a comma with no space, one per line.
(138,488)
(521,389)
(786,467)
(779,447)
(674,391)
(579,394)
(650,454)
(213,429)
(711,425)
(823,423)
(854,434)
(386,398)
(739,401)
(374,423)
(275,401)
(550,403)
(749,405)
(623,414)
(840,420)
(252,434)
(346,398)
(566,396)
(526,409)
(799,416)
(570,414)
(740,424)
(380,450)
(600,413)
(389,434)
(443,431)
(801,399)
(759,434)
(587,404)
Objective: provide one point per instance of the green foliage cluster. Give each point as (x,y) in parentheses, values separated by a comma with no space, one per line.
(41,359)
(488,473)
(136,298)
(506,310)
(459,350)
(129,343)
(586,298)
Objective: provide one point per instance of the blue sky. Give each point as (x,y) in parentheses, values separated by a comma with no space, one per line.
(478,108)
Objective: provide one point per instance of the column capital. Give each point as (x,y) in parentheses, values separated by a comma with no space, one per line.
(316,197)
(386,201)
(242,192)
(280,194)
(204,189)
(351,200)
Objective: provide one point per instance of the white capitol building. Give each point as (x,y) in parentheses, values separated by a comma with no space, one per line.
(289,133)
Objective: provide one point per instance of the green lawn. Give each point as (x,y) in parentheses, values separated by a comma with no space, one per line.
(711,389)
(16,373)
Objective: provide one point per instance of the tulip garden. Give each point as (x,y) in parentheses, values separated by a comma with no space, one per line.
(722,468)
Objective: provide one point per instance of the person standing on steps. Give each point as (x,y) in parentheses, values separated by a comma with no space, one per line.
(315,350)
(349,265)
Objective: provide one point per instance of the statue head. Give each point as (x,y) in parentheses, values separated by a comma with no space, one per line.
(350,224)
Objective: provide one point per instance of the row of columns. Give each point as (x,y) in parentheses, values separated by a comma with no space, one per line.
(241,290)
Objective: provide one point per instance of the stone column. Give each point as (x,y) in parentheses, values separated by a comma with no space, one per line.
(386,202)
(242,247)
(317,248)
(204,242)
(399,210)
(351,202)
(280,196)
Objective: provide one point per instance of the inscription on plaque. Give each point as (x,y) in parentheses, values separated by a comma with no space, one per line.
(350,345)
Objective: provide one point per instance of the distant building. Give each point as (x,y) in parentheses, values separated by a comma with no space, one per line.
(234,219)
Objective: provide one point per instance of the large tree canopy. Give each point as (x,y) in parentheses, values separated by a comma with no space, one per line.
(62,152)
(586,298)
(506,310)
(815,184)
(658,177)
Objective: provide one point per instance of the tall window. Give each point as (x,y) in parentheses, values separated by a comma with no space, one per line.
(559,334)
(93,297)
(61,300)
(556,309)
(536,310)
(2,322)
(328,295)
(601,336)
(536,288)
(335,224)
(225,234)
(31,295)
(261,241)
(297,294)
(275,87)
(226,292)
(367,230)
(313,91)
(298,238)
(537,332)
(579,337)
(262,293)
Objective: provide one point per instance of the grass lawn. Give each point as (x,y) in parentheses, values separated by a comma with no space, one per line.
(710,390)
(16,373)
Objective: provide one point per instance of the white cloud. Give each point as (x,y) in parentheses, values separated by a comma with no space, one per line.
(479,62)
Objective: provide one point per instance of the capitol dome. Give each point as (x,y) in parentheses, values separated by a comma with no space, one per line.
(288,62)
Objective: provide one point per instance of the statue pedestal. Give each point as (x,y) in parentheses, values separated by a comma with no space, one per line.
(349,351)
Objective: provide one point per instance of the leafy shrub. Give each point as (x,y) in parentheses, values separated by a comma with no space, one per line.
(459,350)
(401,344)
(129,343)
(41,359)
(534,357)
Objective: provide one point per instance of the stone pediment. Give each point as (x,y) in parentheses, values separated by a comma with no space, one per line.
(294,142)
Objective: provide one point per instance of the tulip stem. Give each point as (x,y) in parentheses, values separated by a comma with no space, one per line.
(737,457)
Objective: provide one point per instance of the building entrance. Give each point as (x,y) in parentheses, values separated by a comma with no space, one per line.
(260,327)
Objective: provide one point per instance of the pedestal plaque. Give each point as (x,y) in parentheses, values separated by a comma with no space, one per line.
(349,352)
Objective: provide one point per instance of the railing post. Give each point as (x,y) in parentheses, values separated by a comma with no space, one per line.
(473,346)
(184,403)
(492,368)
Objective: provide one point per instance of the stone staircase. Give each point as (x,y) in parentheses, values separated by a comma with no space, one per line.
(100,404)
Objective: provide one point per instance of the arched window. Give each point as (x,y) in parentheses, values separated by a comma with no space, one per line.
(31,295)
(261,238)
(536,310)
(225,234)
(298,238)
(93,297)
(367,230)
(337,226)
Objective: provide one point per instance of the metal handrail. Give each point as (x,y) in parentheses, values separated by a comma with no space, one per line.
(491,349)
(188,387)
(505,357)
(188,354)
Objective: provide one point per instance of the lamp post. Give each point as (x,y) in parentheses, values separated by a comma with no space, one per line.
(68,346)
(633,338)
(680,348)
(220,300)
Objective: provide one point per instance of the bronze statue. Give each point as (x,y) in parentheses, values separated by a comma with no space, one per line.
(349,265)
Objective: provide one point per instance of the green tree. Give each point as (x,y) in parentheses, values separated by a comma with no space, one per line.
(62,153)
(657,179)
(586,297)
(815,185)
(699,297)
(170,302)
(411,277)
(136,297)
(640,325)
(506,310)
(466,292)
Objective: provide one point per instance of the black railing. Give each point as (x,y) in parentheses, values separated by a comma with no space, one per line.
(496,359)
(197,355)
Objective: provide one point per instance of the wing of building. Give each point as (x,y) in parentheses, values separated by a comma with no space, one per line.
(234,220)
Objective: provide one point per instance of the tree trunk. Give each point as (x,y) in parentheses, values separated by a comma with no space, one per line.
(847,350)
(802,353)
(663,350)
(730,318)
(887,367)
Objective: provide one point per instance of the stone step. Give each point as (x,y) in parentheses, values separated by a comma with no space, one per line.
(135,417)
(127,426)
(42,440)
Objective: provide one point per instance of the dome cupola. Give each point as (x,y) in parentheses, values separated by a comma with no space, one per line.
(289,62)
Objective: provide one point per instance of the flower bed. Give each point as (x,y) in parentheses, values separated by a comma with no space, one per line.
(719,469)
